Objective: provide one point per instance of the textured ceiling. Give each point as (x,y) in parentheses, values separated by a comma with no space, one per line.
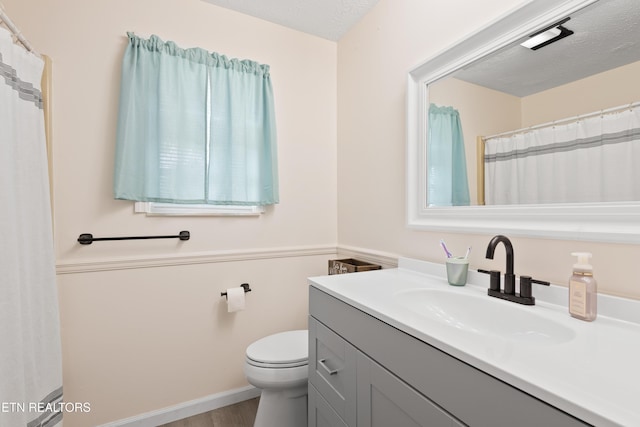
(606,36)
(329,19)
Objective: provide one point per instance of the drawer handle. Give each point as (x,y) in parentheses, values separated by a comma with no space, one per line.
(322,363)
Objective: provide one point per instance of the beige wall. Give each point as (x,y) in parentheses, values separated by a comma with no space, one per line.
(601,91)
(373,61)
(143,323)
(141,339)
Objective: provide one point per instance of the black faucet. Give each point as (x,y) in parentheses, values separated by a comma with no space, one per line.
(509,293)
(509,278)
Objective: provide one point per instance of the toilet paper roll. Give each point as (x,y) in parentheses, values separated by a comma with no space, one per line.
(235,299)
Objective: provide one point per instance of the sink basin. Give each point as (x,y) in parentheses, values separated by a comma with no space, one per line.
(482,314)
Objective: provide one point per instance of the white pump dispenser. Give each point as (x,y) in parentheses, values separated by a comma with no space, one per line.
(583,261)
(583,289)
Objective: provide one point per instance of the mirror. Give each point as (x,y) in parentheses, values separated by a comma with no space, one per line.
(592,69)
(475,58)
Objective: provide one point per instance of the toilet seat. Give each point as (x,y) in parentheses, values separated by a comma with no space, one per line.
(276,365)
(282,350)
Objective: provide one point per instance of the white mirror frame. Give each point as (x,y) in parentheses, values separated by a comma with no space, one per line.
(605,222)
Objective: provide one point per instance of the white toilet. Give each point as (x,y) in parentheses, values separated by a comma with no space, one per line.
(278,364)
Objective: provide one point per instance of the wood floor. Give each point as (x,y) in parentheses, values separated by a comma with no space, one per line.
(239,415)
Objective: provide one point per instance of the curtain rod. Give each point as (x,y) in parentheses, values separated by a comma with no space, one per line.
(16,32)
(565,121)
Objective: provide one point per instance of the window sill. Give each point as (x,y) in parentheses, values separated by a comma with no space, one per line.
(169,209)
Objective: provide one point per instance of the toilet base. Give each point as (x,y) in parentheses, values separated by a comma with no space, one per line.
(282,408)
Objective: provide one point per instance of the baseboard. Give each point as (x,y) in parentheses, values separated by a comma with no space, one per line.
(187,409)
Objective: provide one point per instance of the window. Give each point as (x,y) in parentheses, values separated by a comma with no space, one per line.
(194,128)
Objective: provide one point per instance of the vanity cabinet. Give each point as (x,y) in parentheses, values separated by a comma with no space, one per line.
(364,372)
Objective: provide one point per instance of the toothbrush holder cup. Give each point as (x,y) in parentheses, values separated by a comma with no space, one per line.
(457,268)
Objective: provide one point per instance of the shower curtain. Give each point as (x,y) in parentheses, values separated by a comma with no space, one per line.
(30,355)
(590,160)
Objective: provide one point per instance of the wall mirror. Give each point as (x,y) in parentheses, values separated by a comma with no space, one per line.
(501,87)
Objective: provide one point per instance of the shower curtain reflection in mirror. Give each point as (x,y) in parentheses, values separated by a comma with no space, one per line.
(447,183)
(588,160)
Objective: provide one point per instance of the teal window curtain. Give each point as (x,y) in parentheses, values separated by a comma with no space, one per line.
(194,127)
(447,183)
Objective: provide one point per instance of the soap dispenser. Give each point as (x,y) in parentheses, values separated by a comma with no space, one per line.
(583,289)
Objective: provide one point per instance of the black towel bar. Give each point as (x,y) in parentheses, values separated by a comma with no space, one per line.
(87,239)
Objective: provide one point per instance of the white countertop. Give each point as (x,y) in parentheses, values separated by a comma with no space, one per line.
(594,376)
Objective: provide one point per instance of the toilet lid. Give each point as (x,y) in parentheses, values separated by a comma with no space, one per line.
(290,347)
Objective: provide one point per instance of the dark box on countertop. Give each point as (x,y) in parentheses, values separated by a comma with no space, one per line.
(350,265)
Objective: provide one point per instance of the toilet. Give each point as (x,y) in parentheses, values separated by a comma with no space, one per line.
(278,364)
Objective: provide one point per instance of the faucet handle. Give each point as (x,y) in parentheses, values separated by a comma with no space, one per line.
(525,285)
(494,279)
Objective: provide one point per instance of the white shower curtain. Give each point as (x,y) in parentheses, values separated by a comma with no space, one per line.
(30,356)
(594,159)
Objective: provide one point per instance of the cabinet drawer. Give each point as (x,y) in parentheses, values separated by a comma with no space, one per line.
(332,369)
(321,414)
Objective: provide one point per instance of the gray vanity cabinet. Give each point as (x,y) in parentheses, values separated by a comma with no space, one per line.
(364,372)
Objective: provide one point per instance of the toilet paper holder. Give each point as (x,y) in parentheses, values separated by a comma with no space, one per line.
(245,286)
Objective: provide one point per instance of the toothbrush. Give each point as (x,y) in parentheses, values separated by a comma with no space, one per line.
(466,256)
(446,251)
